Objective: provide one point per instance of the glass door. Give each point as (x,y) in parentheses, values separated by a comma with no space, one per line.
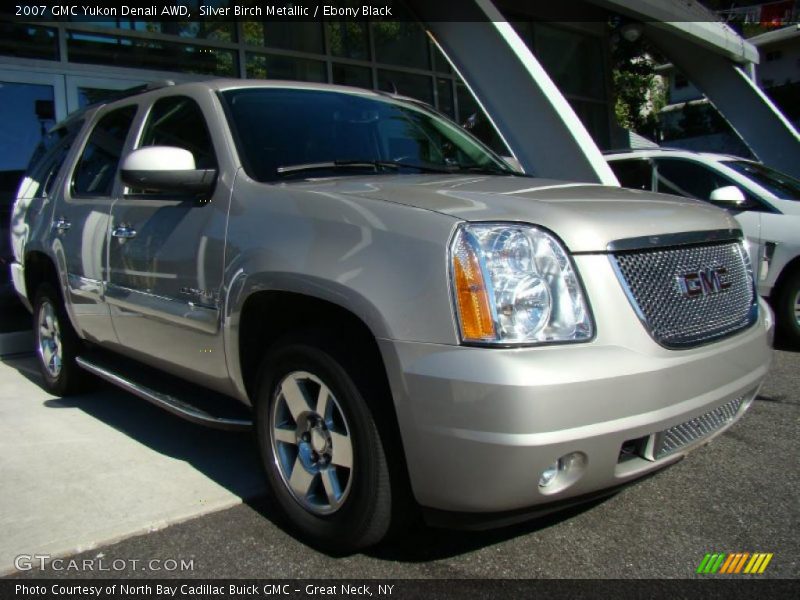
(32,103)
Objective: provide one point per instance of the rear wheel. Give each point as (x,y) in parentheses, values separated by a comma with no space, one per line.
(320,444)
(56,344)
(787,309)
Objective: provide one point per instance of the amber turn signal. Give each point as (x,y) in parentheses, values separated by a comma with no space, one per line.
(472,296)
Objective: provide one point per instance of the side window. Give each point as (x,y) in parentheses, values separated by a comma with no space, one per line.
(178,121)
(684,178)
(636,173)
(51,170)
(49,158)
(97,167)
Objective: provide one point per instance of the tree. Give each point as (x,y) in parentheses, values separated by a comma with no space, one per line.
(639,93)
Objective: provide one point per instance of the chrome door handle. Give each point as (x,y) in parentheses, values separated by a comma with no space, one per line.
(61,225)
(123,232)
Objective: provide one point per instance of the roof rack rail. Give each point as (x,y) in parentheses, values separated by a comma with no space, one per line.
(147,87)
(134,91)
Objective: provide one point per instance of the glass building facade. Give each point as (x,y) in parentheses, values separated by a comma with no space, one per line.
(389,56)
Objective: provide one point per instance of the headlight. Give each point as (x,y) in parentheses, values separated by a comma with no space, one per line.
(515,284)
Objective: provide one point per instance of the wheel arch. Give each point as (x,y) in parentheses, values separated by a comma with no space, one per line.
(789,269)
(266,316)
(40,268)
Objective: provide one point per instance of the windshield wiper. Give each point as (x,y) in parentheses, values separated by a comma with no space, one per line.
(484,169)
(334,164)
(377,165)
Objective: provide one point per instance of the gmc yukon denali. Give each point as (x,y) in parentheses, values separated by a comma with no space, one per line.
(407,324)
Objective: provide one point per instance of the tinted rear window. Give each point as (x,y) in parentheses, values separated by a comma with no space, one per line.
(48,158)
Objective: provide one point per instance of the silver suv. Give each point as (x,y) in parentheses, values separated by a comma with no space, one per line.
(407,322)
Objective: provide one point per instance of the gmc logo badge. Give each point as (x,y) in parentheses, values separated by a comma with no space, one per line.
(704,282)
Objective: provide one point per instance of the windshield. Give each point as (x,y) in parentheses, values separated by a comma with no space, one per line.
(283,133)
(783,186)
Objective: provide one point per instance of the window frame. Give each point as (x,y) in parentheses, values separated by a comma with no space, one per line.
(95,121)
(57,162)
(44,164)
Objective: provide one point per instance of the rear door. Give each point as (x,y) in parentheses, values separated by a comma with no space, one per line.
(80,220)
(166,254)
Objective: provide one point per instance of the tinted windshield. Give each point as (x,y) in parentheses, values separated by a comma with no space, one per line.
(783,186)
(289,127)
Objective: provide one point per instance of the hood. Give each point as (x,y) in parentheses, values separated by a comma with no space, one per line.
(585,217)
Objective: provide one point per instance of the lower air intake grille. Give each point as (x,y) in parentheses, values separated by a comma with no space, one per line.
(675,438)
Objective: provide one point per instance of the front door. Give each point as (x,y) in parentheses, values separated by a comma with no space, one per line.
(166,256)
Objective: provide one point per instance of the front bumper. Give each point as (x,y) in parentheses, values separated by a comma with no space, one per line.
(479,425)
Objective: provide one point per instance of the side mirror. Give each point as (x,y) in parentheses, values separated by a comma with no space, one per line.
(729,196)
(166,169)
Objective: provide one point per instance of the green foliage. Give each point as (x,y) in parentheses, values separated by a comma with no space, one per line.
(639,93)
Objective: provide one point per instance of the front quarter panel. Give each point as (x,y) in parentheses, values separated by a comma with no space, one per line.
(384,262)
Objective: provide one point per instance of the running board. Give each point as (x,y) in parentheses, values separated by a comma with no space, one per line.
(168,401)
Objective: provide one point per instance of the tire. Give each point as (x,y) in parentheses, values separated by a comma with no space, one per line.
(787,309)
(56,344)
(327,467)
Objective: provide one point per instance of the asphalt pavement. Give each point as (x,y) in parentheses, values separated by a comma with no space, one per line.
(737,494)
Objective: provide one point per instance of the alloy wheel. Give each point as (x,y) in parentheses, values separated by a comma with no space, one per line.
(311,443)
(49,339)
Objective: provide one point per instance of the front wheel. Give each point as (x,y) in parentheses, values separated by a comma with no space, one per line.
(56,344)
(787,309)
(320,445)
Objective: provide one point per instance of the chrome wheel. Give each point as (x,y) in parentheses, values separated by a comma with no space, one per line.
(311,443)
(49,339)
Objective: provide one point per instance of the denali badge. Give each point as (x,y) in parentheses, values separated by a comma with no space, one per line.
(704,282)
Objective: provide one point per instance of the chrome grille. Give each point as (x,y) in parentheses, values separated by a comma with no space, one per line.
(675,438)
(653,281)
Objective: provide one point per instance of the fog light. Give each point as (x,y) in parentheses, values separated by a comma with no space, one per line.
(563,472)
(548,476)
